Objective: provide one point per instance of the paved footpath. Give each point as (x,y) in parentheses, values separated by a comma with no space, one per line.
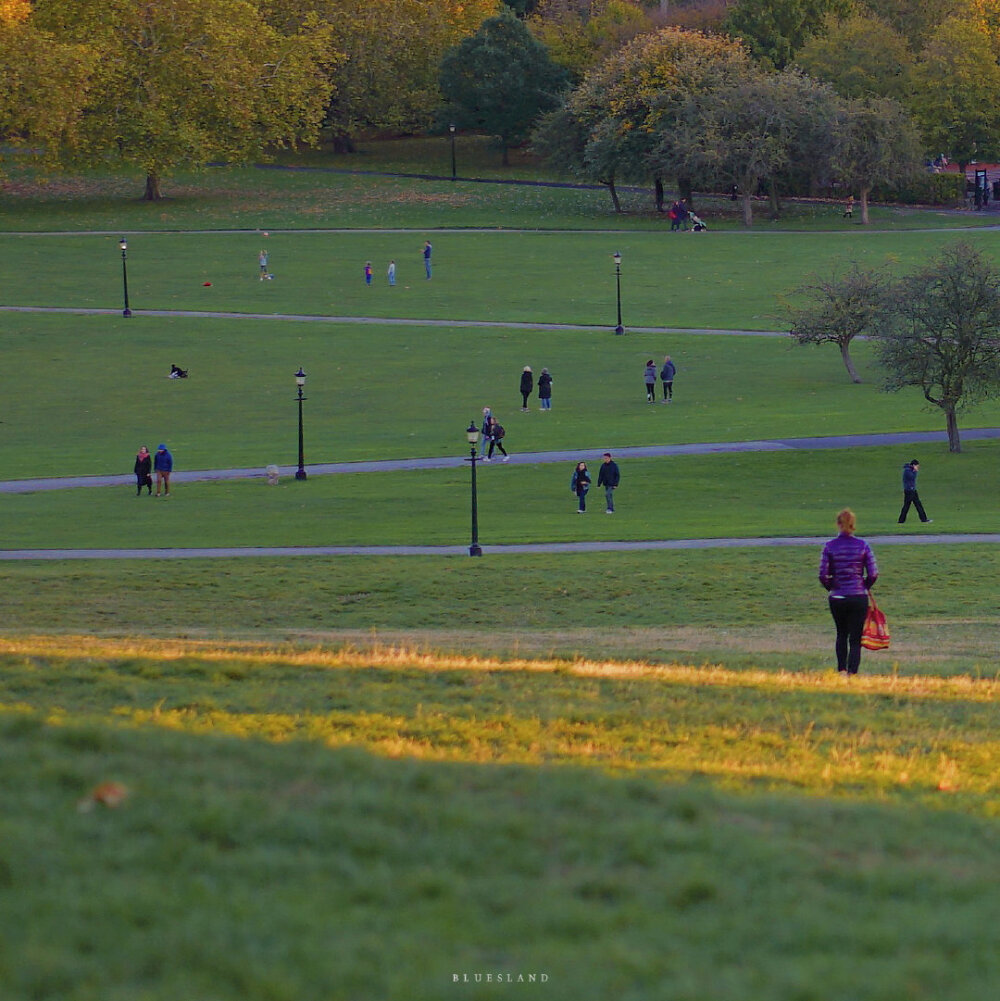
(523,458)
(528,547)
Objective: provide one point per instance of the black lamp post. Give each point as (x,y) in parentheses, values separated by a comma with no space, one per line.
(123,243)
(618,284)
(472,434)
(300,381)
(451,129)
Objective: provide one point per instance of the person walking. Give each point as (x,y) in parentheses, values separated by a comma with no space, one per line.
(847,569)
(580,484)
(527,385)
(143,470)
(392,273)
(609,476)
(484,438)
(545,390)
(368,272)
(262,263)
(650,380)
(667,374)
(910,495)
(849,207)
(163,465)
(427,258)
(497,433)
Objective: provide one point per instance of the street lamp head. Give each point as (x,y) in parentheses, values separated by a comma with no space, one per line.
(618,259)
(123,244)
(472,433)
(300,377)
(451,128)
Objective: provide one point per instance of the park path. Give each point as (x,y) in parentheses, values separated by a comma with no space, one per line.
(226,552)
(523,458)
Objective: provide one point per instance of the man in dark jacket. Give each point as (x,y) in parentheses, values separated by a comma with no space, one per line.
(910,495)
(609,477)
(163,466)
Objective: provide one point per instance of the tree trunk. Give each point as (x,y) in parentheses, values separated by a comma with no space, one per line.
(747,206)
(954,444)
(613,191)
(658,182)
(845,353)
(152,192)
(864,205)
(344,144)
(775,203)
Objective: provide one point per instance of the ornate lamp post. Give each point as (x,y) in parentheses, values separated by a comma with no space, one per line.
(300,381)
(618,284)
(123,243)
(472,435)
(451,129)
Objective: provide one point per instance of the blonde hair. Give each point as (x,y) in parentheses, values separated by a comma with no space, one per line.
(846,521)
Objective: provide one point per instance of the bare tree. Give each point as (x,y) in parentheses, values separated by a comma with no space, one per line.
(941,332)
(843,307)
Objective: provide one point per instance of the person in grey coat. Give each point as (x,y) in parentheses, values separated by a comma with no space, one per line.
(650,379)
(667,374)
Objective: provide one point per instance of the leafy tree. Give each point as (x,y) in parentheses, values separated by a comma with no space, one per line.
(500,81)
(185,81)
(956,82)
(861,55)
(774,30)
(391,53)
(940,330)
(843,307)
(875,143)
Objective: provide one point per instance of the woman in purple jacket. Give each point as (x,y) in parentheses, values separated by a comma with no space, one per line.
(848,571)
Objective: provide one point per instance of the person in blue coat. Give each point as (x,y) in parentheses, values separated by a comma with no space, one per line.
(910,495)
(580,484)
(163,466)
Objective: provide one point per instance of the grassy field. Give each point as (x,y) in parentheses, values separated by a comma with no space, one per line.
(308,826)
(625,775)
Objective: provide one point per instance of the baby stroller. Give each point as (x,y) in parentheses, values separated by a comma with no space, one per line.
(697,224)
(176,372)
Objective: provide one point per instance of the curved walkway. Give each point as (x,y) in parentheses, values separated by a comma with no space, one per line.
(523,458)
(226,552)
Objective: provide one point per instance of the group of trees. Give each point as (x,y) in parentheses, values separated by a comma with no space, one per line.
(697,108)
(937,329)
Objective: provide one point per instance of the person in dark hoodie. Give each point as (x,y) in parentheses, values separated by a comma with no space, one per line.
(910,495)
(163,465)
(527,385)
(143,469)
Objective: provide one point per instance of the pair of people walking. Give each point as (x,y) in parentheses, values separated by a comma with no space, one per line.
(544,389)
(145,465)
(493,434)
(666,373)
(608,477)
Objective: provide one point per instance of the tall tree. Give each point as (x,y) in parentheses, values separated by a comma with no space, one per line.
(774,30)
(940,331)
(876,142)
(500,80)
(187,81)
(843,307)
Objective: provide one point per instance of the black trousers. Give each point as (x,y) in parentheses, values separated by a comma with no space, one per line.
(849,615)
(912,497)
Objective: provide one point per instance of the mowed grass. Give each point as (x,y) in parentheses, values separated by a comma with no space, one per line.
(676,497)
(753,609)
(295,818)
(717,280)
(82,393)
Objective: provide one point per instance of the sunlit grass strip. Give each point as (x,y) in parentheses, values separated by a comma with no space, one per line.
(964,687)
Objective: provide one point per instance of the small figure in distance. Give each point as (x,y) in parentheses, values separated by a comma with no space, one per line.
(368,272)
(545,390)
(910,495)
(427,258)
(391,273)
(667,374)
(580,484)
(484,439)
(847,569)
(262,262)
(163,465)
(527,384)
(650,379)
(497,433)
(176,372)
(143,470)
(609,477)
(849,207)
